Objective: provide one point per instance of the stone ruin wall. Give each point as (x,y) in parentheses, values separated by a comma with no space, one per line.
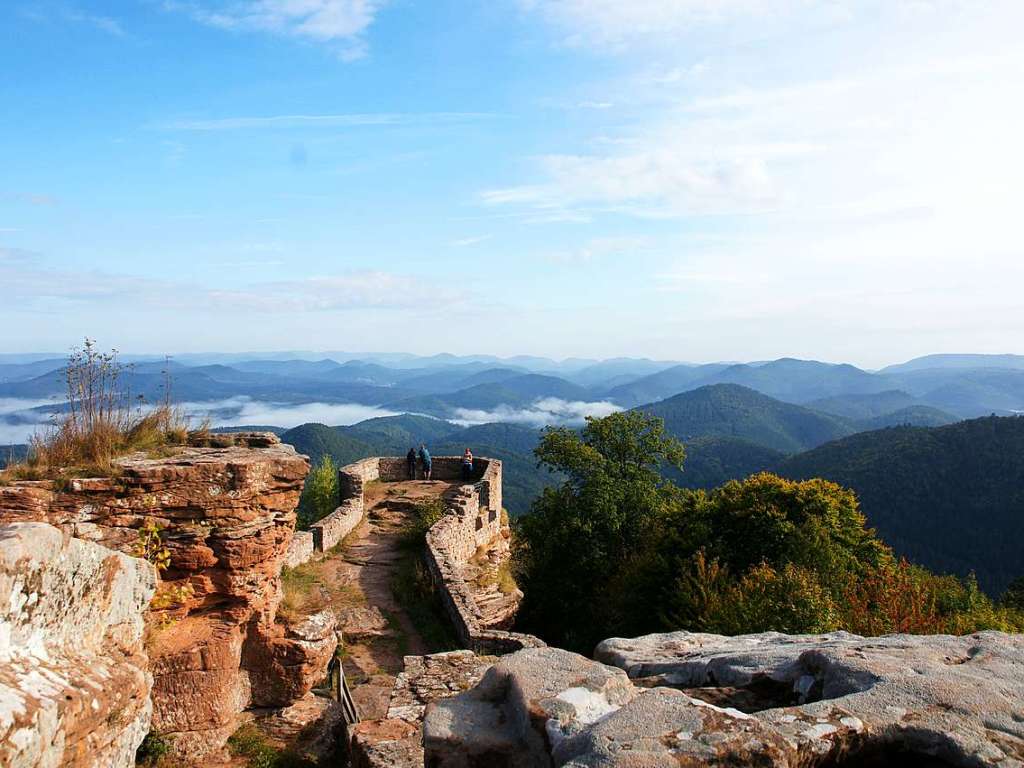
(227,513)
(472,520)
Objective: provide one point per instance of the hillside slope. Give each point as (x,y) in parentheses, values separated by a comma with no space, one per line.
(729,410)
(951,498)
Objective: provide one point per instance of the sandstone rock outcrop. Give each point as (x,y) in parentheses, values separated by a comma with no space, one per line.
(74,684)
(227,514)
(395,742)
(810,701)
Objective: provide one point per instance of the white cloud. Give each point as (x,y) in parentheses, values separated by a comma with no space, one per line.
(618,25)
(545,411)
(343,23)
(241,411)
(662,180)
(18,422)
(46,12)
(465,242)
(30,283)
(103,23)
(602,247)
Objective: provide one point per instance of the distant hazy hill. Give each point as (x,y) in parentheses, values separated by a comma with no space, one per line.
(461,377)
(800,381)
(865,406)
(795,381)
(967,392)
(951,497)
(957,361)
(666,383)
(617,371)
(394,435)
(912,416)
(319,440)
(731,411)
(515,392)
(21,371)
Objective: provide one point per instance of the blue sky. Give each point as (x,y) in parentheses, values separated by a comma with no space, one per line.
(681,179)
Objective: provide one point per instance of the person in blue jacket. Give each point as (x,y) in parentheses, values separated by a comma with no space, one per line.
(425,461)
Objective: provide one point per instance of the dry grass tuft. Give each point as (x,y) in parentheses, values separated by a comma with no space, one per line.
(101,422)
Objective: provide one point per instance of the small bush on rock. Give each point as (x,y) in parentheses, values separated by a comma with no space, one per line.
(320,494)
(153,751)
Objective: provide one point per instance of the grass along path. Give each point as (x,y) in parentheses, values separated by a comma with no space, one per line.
(376,583)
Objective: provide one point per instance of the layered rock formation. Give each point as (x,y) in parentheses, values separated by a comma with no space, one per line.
(810,701)
(226,513)
(74,684)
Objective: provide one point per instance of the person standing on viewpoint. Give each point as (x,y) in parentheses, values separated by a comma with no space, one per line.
(410,462)
(425,460)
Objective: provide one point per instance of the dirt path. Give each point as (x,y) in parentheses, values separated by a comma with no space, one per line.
(361,576)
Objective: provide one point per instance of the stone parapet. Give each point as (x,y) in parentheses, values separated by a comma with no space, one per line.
(473,520)
(300,550)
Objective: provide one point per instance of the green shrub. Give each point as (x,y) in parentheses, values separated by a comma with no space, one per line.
(152,750)
(250,743)
(320,494)
(422,519)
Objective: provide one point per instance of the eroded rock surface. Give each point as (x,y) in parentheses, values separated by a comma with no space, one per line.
(74,685)
(896,700)
(395,741)
(227,514)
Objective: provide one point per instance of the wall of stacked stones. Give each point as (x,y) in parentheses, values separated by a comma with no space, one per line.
(472,520)
(329,532)
(352,480)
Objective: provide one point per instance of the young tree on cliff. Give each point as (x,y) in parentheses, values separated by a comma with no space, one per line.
(320,494)
(576,550)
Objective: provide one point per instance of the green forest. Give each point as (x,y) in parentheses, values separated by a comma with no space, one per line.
(616,549)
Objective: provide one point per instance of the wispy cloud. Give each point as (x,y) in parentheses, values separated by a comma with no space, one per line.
(351,120)
(618,26)
(661,180)
(29,283)
(340,23)
(465,242)
(241,411)
(545,411)
(601,247)
(32,198)
(22,418)
(70,14)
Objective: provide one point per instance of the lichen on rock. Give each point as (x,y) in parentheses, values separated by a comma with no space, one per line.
(74,679)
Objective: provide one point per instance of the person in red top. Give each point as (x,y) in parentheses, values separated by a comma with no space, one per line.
(467,465)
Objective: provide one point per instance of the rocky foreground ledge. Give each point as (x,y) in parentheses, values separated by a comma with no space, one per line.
(225,509)
(684,699)
(74,683)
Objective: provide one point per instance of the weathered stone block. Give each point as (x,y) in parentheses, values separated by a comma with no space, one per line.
(74,684)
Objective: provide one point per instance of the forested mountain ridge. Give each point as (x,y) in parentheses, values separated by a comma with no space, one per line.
(730,410)
(949,497)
